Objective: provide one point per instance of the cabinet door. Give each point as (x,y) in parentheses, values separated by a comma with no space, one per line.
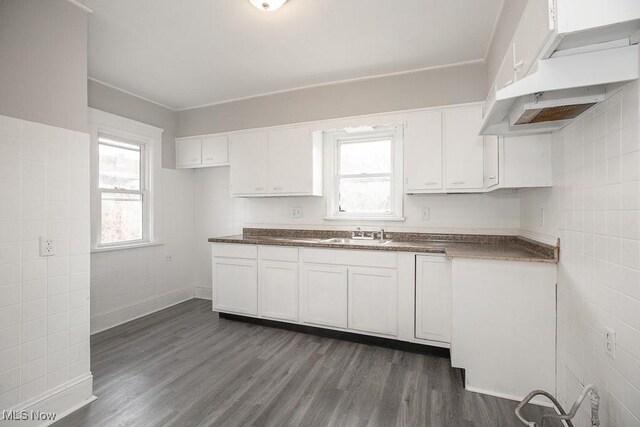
(235,285)
(215,151)
(464,150)
(423,151)
(506,74)
(433,298)
(533,31)
(324,295)
(373,300)
(248,163)
(278,282)
(290,161)
(491,178)
(188,152)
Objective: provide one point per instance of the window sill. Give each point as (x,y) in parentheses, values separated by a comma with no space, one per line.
(364,218)
(123,247)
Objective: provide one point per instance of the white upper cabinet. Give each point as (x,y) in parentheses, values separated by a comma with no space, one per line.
(188,152)
(215,150)
(249,168)
(276,162)
(292,161)
(201,151)
(534,30)
(464,149)
(423,152)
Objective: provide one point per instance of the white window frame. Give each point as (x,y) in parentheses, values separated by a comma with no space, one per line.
(334,139)
(149,138)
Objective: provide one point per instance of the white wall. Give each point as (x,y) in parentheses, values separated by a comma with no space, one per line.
(129,283)
(215,214)
(44,302)
(594,208)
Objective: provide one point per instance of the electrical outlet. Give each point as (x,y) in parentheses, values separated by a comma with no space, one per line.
(296,213)
(47,246)
(541,219)
(425,214)
(610,342)
(168,258)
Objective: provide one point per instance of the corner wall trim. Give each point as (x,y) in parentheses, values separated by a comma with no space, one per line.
(80,6)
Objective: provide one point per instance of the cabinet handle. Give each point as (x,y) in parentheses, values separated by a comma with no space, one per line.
(259,188)
(430,183)
(277,188)
(194,159)
(518,65)
(492,177)
(209,158)
(457,182)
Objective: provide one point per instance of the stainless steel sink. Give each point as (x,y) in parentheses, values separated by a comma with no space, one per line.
(349,241)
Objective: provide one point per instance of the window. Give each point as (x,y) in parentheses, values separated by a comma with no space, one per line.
(121,184)
(367,171)
(125,182)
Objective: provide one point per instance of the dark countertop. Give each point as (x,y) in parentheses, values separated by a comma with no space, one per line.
(511,248)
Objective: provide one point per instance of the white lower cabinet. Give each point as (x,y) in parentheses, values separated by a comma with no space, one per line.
(433,298)
(373,300)
(323,294)
(278,283)
(235,285)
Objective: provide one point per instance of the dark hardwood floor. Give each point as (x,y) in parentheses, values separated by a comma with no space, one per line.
(183,366)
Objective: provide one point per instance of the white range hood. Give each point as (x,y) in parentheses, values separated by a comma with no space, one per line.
(560,89)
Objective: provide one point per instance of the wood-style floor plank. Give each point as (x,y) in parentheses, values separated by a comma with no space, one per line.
(184,366)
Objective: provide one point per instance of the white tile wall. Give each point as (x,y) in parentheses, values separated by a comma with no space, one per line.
(595,210)
(129,283)
(44,186)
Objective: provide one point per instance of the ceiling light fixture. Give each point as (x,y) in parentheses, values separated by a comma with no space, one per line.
(268,5)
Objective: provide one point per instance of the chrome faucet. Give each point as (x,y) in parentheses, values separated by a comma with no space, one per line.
(381,234)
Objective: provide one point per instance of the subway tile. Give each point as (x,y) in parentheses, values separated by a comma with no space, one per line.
(78,298)
(57,285)
(9,337)
(34,388)
(9,274)
(10,190)
(33,170)
(34,210)
(33,230)
(78,316)
(57,266)
(32,310)
(57,323)
(33,270)
(33,330)
(57,172)
(78,334)
(34,289)
(34,370)
(9,316)
(9,380)
(79,281)
(629,140)
(9,358)
(34,350)
(9,169)
(79,263)
(10,126)
(9,295)
(9,147)
(10,252)
(58,341)
(33,131)
(57,210)
(57,191)
(10,210)
(57,304)
(10,399)
(57,360)
(30,250)
(33,190)
(58,377)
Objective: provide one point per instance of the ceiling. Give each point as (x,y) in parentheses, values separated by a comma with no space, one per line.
(185,54)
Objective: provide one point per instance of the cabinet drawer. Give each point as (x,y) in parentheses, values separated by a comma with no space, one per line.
(278,253)
(230,250)
(350,257)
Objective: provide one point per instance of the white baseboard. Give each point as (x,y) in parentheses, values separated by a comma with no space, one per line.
(536,400)
(61,401)
(204,292)
(120,315)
